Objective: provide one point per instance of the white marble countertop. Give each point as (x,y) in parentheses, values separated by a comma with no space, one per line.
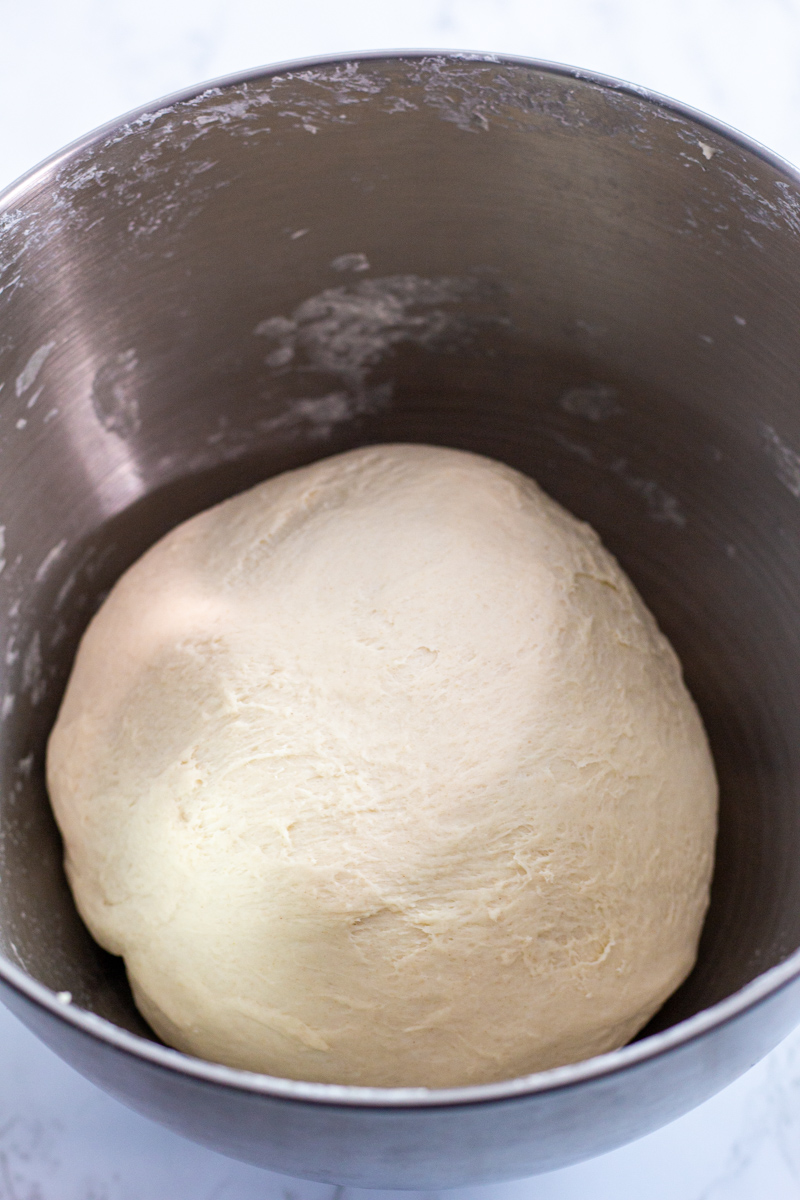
(66,68)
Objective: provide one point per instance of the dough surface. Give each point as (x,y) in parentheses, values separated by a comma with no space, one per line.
(382,773)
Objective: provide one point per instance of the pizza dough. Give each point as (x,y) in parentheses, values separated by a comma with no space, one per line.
(381,773)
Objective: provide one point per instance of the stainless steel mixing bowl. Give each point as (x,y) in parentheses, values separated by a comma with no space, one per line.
(595,285)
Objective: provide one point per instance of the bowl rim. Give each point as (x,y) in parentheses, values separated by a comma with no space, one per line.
(59,1004)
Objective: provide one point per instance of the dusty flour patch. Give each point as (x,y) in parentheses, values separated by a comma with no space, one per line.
(594,401)
(346,330)
(49,560)
(351,262)
(661,505)
(33,680)
(342,333)
(33,366)
(114,396)
(786,460)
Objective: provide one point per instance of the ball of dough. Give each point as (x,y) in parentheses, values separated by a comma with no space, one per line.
(381,773)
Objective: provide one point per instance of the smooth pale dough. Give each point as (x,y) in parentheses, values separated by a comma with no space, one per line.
(381,773)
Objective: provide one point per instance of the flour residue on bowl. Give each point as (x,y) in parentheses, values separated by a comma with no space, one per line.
(342,333)
(350,262)
(114,394)
(662,506)
(472,91)
(28,374)
(786,460)
(33,680)
(49,560)
(594,401)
